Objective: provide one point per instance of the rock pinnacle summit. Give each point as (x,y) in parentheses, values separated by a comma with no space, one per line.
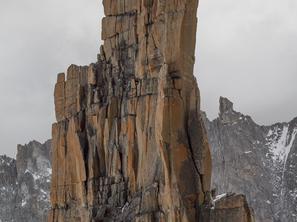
(129,143)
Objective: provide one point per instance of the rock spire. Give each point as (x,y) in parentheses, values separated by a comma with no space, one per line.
(129,143)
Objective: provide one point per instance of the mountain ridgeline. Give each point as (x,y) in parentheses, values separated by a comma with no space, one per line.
(25,184)
(258,161)
(130,143)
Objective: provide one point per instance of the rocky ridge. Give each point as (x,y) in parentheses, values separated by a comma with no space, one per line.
(129,143)
(8,184)
(258,161)
(25,184)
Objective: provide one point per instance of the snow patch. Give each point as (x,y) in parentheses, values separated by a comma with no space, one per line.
(219,197)
(268,202)
(280,142)
(24,202)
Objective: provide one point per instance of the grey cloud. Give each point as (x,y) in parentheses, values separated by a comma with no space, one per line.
(39,39)
(246,50)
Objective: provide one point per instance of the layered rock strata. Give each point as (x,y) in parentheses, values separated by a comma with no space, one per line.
(25,184)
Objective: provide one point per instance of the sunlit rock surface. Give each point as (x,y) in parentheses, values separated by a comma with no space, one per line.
(129,143)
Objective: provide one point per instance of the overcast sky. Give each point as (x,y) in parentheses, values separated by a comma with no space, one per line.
(246,51)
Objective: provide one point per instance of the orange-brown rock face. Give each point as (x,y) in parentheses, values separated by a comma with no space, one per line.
(129,144)
(229,208)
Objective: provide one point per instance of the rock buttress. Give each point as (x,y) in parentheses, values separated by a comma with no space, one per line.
(229,208)
(129,143)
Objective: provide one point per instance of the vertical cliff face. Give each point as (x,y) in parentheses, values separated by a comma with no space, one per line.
(25,184)
(258,161)
(129,142)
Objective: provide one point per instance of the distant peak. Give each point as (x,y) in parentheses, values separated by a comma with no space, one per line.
(225,105)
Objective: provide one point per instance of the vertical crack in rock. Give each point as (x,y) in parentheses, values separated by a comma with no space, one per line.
(129,142)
